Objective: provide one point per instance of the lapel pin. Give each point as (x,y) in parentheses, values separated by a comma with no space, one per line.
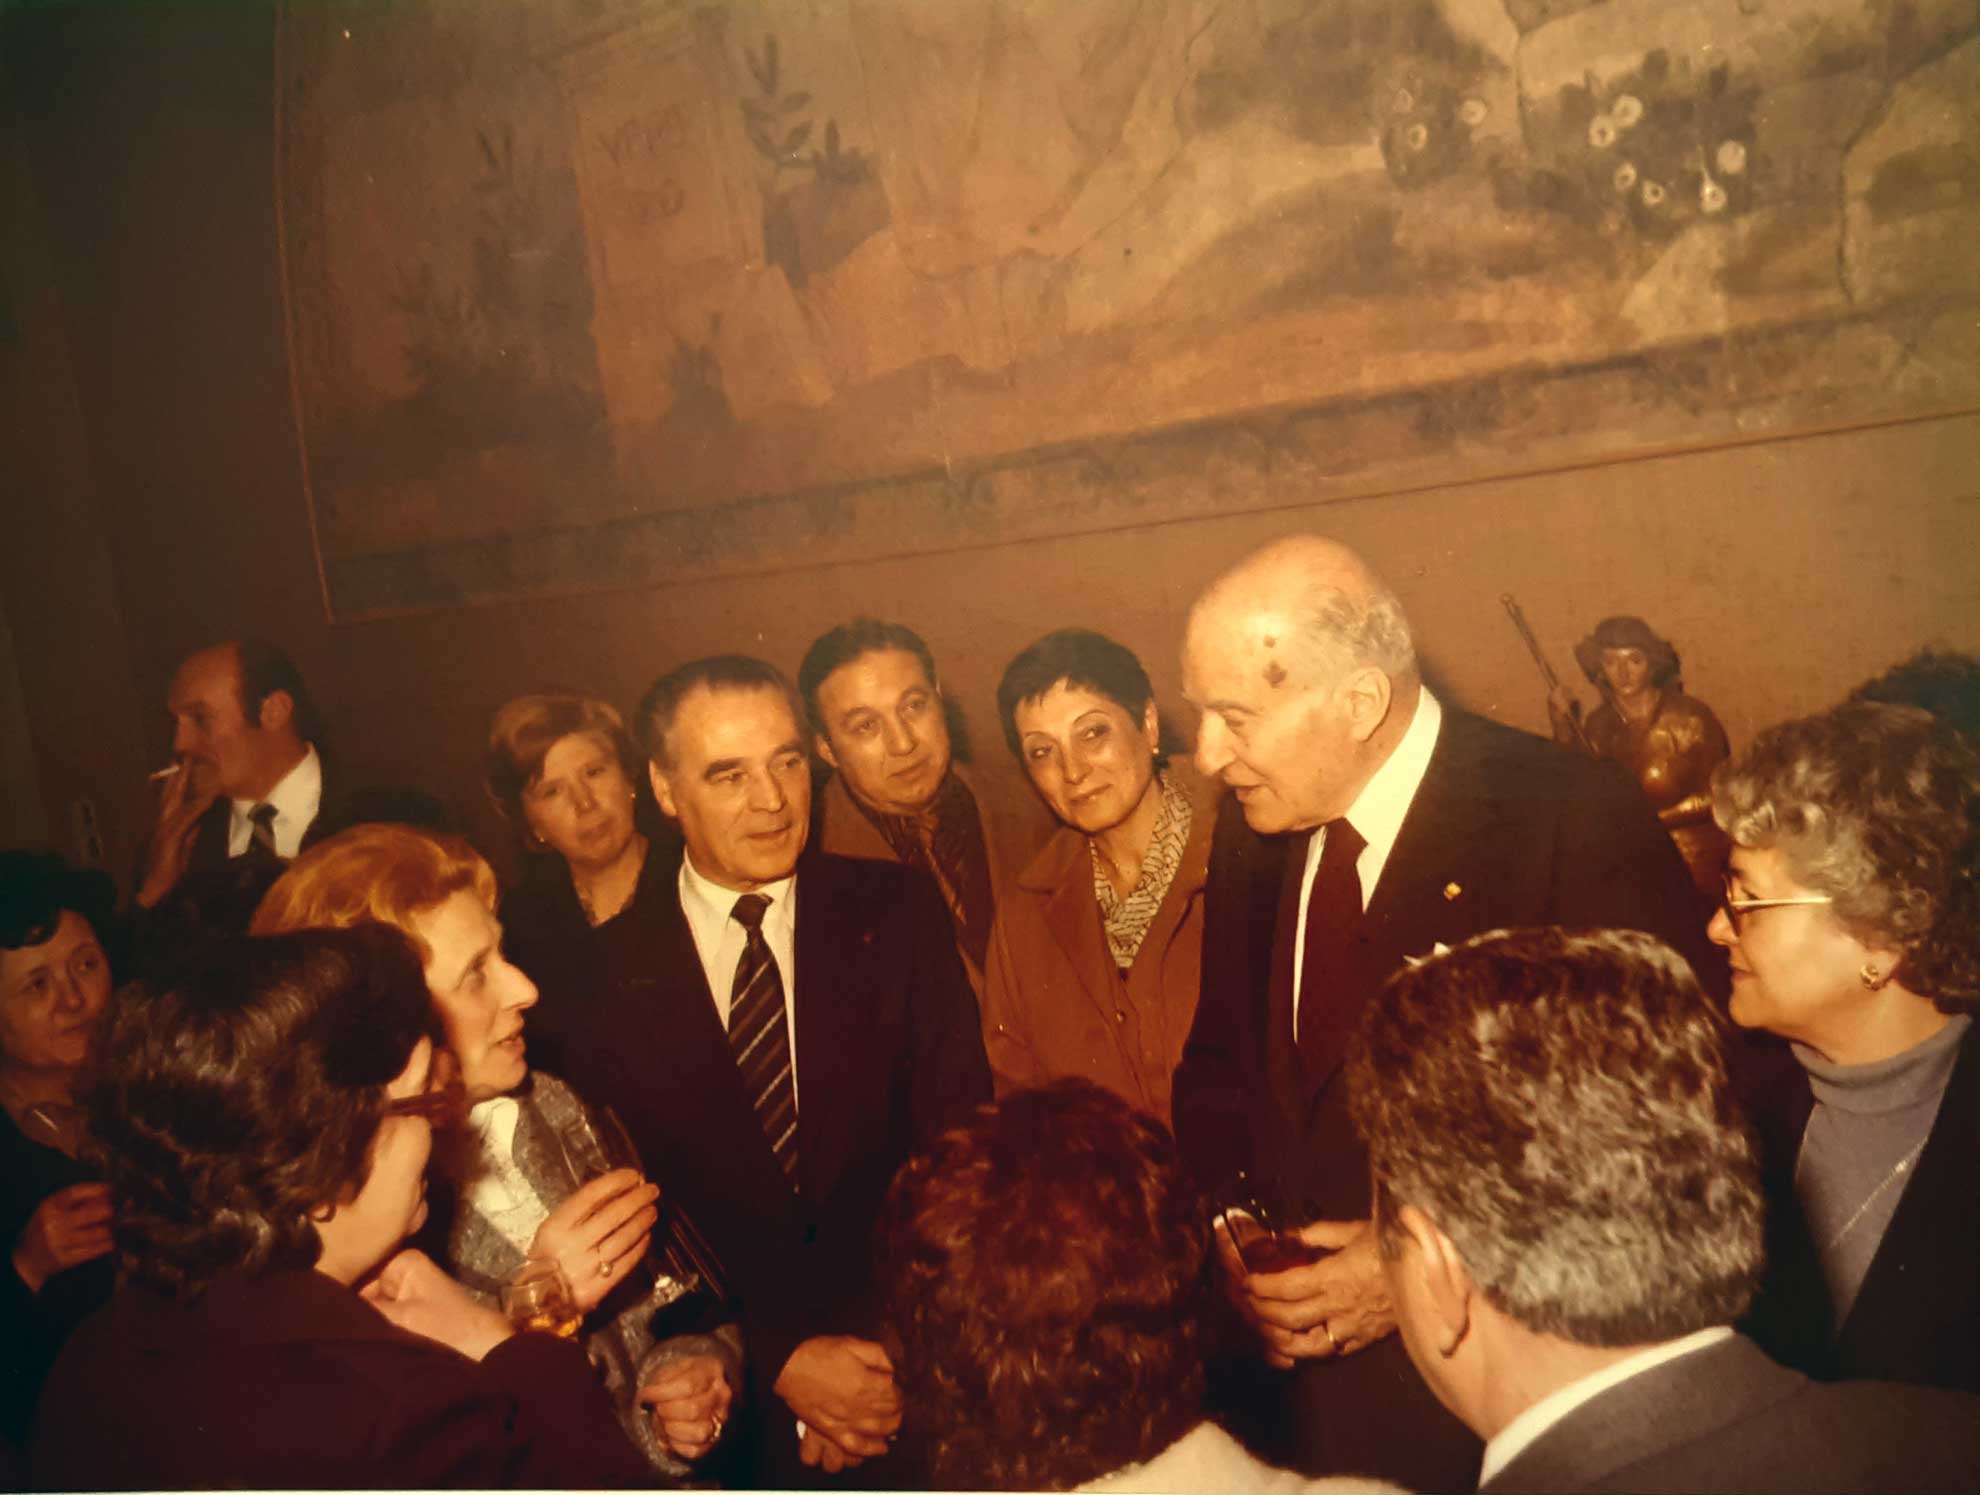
(1451,892)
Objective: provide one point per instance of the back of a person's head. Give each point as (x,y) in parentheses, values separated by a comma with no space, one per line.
(1557,1104)
(1044,1272)
(1944,682)
(240,1092)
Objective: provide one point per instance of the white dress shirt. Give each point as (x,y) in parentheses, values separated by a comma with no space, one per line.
(1377,815)
(499,1190)
(296,798)
(1516,1436)
(719,940)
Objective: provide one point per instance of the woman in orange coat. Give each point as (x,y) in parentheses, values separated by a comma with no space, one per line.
(1094,962)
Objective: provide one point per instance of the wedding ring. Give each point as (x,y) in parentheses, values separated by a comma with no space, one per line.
(715,1427)
(1332,1343)
(604,1267)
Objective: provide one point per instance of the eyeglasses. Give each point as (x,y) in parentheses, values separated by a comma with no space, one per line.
(443,1102)
(1738,908)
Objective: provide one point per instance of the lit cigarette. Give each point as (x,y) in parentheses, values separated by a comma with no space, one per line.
(166,772)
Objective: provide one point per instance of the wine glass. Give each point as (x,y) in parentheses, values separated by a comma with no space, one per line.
(678,1261)
(1261,1243)
(539,1298)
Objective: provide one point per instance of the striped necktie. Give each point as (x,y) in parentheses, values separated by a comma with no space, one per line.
(759,1038)
(261,830)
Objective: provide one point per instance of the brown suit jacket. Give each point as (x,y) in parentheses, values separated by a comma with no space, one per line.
(1055,1004)
(1009,837)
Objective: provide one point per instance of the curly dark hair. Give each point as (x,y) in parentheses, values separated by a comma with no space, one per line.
(1879,807)
(1045,1275)
(1944,682)
(1085,660)
(243,1090)
(38,887)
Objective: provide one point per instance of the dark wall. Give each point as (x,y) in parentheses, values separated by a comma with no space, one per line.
(150,388)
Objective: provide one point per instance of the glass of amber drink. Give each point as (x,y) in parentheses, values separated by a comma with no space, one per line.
(539,1299)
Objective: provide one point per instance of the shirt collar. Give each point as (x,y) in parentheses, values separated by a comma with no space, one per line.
(1518,1435)
(297,795)
(1378,811)
(716,902)
(494,1121)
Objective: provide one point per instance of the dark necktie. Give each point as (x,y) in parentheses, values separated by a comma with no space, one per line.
(261,831)
(758,1037)
(1333,923)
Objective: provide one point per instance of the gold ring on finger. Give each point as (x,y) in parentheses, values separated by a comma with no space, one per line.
(1332,1343)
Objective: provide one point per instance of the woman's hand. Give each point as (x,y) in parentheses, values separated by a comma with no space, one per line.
(599,1233)
(690,1400)
(415,1294)
(69,1227)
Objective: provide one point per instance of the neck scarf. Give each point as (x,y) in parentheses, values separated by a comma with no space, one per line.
(1127,919)
(946,841)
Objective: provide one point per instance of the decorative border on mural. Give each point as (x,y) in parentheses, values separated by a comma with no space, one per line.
(1692,399)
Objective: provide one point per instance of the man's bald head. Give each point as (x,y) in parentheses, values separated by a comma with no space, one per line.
(1301,662)
(1313,606)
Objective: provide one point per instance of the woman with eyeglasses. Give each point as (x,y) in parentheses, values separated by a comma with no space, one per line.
(509,1191)
(266,1115)
(1851,918)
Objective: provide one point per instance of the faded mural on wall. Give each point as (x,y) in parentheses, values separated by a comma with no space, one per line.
(591,293)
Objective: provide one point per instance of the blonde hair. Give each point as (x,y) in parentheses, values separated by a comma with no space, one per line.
(374,874)
(523,731)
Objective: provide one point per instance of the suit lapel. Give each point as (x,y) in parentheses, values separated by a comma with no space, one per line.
(675,1056)
(540,1155)
(209,853)
(1446,816)
(1286,1073)
(1072,916)
(834,943)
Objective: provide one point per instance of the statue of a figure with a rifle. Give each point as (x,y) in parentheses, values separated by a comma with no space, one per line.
(1670,741)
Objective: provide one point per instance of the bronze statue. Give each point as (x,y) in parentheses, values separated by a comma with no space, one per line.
(1646,722)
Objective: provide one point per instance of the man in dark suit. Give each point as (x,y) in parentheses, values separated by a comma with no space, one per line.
(778,1029)
(1368,823)
(248,789)
(246,776)
(1568,1208)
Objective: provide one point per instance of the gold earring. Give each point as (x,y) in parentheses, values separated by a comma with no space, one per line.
(1871,977)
